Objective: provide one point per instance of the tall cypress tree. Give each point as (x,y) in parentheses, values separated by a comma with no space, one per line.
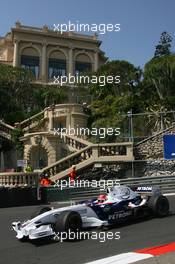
(164,45)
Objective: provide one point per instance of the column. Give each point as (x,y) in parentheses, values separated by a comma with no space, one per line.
(96,60)
(70,61)
(43,63)
(68,120)
(51,123)
(16,53)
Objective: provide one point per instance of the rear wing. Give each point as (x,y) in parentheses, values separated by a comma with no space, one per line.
(148,190)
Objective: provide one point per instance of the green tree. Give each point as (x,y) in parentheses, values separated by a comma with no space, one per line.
(53,95)
(15,88)
(159,80)
(164,45)
(129,78)
(112,101)
(21,97)
(16,134)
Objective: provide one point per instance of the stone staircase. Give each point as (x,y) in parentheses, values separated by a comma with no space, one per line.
(87,156)
(84,153)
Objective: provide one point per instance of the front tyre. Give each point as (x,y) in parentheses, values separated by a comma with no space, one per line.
(69,222)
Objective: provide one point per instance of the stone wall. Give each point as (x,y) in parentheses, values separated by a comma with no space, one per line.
(151,150)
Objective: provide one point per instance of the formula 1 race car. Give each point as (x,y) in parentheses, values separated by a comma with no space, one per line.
(120,203)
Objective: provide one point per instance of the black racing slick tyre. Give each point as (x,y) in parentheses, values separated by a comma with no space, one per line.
(159,205)
(40,210)
(68,221)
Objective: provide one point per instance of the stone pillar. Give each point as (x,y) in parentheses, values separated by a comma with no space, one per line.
(51,119)
(51,146)
(70,61)
(96,58)
(95,152)
(68,120)
(26,151)
(43,63)
(129,152)
(52,158)
(16,53)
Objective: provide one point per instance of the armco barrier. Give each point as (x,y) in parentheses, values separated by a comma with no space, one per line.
(51,194)
(166,183)
(18,196)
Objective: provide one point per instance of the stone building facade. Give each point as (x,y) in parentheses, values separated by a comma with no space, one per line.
(47,52)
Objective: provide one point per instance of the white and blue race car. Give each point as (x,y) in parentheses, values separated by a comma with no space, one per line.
(119,204)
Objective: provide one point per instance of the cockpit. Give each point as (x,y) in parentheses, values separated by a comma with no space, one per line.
(116,194)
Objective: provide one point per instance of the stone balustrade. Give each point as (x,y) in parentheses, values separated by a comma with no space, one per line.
(63,109)
(75,142)
(14,179)
(84,157)
(67,162)
(31,120)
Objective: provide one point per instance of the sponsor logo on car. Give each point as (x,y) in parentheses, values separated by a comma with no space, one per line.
(120,215)
(148,189)
(42,233)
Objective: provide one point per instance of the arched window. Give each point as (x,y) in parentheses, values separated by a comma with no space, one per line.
(57,64)
(30,61)
(82,64)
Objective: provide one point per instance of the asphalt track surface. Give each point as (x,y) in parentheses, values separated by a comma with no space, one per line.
(148,233)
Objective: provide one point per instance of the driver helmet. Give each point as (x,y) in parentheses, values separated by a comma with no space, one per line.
(102,198)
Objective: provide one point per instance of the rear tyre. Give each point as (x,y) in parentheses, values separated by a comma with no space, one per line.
(69,223)
(40,210)
(159,205)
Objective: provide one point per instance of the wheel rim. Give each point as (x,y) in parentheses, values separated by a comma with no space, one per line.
(74,223)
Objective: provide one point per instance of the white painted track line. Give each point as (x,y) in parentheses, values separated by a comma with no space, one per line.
(125,258)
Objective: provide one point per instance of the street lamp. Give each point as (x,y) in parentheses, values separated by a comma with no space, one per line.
(131,136)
